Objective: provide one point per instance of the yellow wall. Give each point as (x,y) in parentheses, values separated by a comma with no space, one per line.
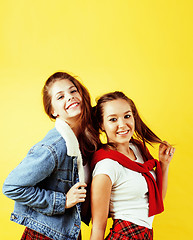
(143,48)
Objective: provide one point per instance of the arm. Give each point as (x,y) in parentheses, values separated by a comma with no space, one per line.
(166,152)
(22,184)
(100,198)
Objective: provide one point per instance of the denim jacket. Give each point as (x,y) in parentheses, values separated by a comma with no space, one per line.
(39,185)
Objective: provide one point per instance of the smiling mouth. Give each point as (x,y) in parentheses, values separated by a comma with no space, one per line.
(123,132)
(72,105)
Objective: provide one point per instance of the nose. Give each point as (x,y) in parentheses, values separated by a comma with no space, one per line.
(69,97)
(121,122)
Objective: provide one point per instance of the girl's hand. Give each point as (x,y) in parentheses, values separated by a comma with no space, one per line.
(166,152)
(76,194)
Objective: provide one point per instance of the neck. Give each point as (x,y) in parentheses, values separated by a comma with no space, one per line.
(127,151)
(75,125)
(76,129)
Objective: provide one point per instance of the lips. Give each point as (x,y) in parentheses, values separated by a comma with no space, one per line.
(123,132)
(72,105)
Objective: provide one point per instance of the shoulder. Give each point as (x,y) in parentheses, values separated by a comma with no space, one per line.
(107,163)
(108,167)
(52,137)
(53,141)
(101,154)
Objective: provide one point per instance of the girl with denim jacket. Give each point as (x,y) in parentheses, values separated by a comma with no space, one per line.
(48,186)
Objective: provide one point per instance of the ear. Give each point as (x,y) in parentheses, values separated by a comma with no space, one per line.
(54,114)
(102,128)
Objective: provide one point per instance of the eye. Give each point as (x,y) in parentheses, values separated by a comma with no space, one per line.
(60,97)
(127,116)
(73,91)
(112,119)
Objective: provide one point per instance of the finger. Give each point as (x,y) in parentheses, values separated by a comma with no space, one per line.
(82,196)
(82,191)
(172,151)
(79,185)
(162,148)
(81,200)
(169,150)
(82,185)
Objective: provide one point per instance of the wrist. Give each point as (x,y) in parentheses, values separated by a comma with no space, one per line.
(164,166)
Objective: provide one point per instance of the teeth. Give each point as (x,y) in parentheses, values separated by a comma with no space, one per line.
(122,133)
(73,105)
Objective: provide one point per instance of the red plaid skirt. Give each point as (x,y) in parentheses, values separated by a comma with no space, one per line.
(126,230)
(30,234)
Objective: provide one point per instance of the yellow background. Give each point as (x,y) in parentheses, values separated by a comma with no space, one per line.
(143,48)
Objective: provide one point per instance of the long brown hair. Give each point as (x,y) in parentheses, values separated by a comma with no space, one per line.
(142,131)
(88,138)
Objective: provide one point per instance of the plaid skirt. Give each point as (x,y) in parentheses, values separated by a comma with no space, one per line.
(126,230)
(30,234)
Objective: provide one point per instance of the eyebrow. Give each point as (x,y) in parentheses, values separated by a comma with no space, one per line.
(68,89)
(72,87)
(59,92)
(111,115)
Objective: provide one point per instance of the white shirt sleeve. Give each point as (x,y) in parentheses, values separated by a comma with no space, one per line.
(107,167)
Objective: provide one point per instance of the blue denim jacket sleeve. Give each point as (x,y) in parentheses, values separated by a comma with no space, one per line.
(21,183)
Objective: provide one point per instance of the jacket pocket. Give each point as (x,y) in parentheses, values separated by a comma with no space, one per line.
(64,180)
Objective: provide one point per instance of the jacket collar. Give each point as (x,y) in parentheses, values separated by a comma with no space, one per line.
(72,144)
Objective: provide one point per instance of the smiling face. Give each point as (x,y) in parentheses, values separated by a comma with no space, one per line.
(118,121)
(65,100)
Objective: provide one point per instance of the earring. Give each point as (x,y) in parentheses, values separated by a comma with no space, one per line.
(55,114)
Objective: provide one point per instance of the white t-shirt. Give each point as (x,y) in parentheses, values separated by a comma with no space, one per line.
(129,199)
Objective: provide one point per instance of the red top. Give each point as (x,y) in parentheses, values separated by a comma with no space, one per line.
(154,186)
